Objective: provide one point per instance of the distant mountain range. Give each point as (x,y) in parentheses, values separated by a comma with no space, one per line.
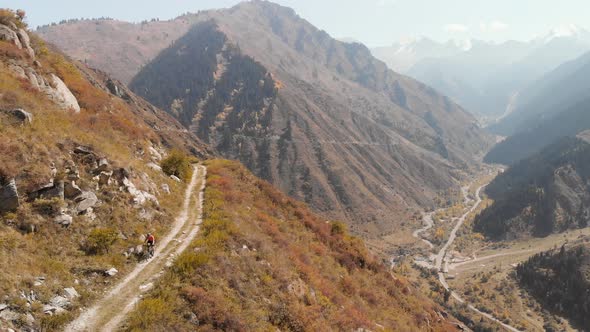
(555,106)
(484,77)
(321,119)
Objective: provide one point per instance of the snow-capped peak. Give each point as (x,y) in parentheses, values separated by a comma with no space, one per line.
(565,31)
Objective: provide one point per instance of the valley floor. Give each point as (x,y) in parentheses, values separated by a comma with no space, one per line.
(479,275)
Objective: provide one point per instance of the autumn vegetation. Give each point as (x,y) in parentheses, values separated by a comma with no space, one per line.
(263,261)
(32,245)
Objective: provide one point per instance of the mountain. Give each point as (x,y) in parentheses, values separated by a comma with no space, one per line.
(79,179)
(524,144)
(488,79)
(85,172)
(556,279)
(322,120)
(263,261)
(402,56)
(552,94)
(540,195)
(553,107)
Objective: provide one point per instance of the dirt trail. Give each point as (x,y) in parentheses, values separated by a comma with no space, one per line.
(109,312)
(441,257)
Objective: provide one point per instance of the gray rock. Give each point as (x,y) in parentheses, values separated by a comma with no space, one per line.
(64,220)
(9,35)
(60,302)
(71,190)
(50,191)
(3,306)
(81,149)
(9,315)
(9,196)
(111,272)
(154,166)
(156,156)
(71,293)
(175,178)
(21,116)
(140,197)
(58,92)
(52,310)
(26,42)
(86,201)
(166,188)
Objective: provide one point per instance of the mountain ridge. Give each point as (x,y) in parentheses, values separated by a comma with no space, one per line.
(339,121)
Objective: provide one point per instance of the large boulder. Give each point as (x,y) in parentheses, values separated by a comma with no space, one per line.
(25,41)
(9,35)
(71,293)
(58,92)
(52,190)
(64,220)
(8,196)
(86,201)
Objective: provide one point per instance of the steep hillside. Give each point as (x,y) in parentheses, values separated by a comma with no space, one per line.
(321,119)
(264,262)
(557,279)
(79,180)
(555,92)
(569,123)
(127,48)
(540,195)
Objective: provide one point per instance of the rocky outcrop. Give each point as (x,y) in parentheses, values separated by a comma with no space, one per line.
(140,197)
(61,94)
(64,220)
(53,87)
(9,200)
(86,201)
(51,190)
(9,35)
(25,41)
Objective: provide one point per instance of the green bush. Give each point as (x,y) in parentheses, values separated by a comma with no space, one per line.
(100,240)
(178,164)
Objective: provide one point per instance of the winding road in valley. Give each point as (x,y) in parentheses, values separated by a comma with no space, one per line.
(108,313)
(440,256)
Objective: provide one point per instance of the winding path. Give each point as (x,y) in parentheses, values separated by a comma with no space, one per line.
(440,256)
(110,311)
(443,252)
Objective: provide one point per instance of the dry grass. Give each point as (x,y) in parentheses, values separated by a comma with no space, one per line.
(263,261)
(113,131)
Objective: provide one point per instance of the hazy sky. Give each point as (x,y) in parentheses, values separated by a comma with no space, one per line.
(373,22)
